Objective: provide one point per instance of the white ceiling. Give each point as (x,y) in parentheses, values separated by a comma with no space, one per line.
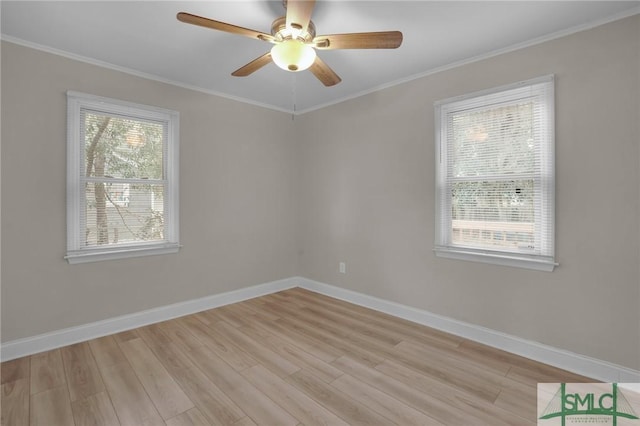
(144,37)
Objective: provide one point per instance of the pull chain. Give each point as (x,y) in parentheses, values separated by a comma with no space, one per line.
(293,95)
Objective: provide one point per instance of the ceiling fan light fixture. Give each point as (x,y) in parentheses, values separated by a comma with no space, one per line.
(295,41)
(293,55)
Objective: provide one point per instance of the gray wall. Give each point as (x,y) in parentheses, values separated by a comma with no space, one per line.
(237,199)
(357,179)
(366,196)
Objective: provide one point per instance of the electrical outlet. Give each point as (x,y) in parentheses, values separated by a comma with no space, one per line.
(343,267)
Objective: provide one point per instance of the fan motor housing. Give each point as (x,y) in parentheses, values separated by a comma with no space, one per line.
(280,31)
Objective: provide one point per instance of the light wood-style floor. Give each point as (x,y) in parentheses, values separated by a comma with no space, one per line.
(289,358)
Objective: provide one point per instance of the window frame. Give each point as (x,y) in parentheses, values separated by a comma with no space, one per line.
(544,184)
(76,252)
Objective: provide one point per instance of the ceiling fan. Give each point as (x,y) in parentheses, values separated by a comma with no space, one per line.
(295,41)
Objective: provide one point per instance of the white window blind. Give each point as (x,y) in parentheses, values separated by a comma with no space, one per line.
(122,179)
(495,175)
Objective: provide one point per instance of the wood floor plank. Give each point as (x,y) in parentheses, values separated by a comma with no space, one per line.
(378,318)
(302,407)
(249,308)
(403,328)
(356,326)
(518,399)
(14,400)
(81,370)
(163,347)
(425,402)
(380,402)
(245,421)
(203,317)
(473,360)
(212,402)
(248,315)
(464,376)
(224,347)
(362,346)
(47,371)
(338,402)
(16,369)
(51,408)
(329,339)
(370,339)
(263,355)
(165,393)
(130,401)
(284,300)
(94,410)
(457,399)
(305,342)
(106,351)
(482,352)
(534,373)
(256,404)
(193,417)
(125,336)
(230,315)
(294,354)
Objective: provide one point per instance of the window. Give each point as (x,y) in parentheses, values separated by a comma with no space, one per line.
(122,179)
(495,176)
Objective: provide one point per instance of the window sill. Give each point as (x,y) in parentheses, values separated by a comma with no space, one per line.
(96,255)
(537,263)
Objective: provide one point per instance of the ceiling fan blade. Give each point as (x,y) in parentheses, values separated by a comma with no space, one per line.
(222,26)
(253,66)
(299,13)
(323,73)
(374,40)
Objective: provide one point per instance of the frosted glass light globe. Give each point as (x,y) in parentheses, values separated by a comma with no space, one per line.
(293,55)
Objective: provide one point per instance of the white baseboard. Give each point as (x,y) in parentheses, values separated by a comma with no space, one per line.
(579,364)
(56,339)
